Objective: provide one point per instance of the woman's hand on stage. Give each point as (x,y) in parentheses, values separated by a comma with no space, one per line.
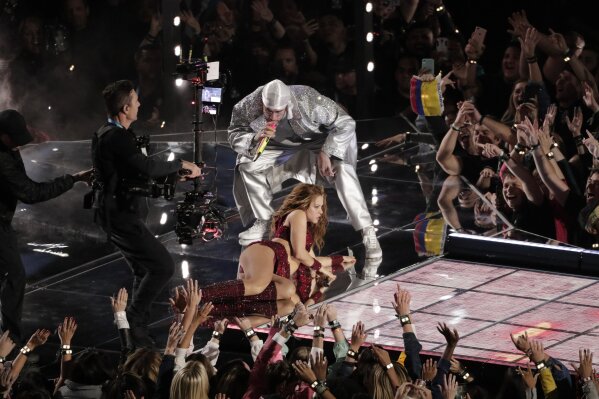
(358,336)
(119,303)
(66,330)
(179,301)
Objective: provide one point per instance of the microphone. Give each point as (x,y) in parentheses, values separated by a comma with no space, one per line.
(263,142)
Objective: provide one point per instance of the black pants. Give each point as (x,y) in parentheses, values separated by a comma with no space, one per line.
(12,282)
(150,262)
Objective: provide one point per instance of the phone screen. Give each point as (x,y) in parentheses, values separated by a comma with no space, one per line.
(429,65)
(479,34)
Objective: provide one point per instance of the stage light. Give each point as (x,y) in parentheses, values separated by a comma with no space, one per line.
(183,246)
(184,269)
(375,199)
(171,157)
(377,333)
(369,7)
(374,167)
(34,161)
(49,107)
(72,68)
(54,149)
(371,161)
(369,37)
(370,66)
(178,82)
(446,297)
(162,124)
(177,50)
(376,222)
(416,168)
(177,21)
(365,146)
(163,218)
(376,308)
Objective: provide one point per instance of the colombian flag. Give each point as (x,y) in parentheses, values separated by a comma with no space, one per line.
(426,97)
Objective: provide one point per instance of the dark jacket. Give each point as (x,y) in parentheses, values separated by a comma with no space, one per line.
(15,185)
(116,157)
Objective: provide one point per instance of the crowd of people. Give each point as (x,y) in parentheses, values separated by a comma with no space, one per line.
(524,139)
(357,370)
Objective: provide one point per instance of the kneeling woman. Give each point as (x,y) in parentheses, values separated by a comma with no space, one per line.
(276,274)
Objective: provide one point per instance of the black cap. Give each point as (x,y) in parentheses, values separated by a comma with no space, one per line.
(13,124)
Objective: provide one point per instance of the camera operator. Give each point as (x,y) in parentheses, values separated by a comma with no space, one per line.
(15,186)
(119,164)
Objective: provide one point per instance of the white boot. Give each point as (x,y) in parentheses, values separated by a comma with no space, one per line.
(257,232)
(371,243)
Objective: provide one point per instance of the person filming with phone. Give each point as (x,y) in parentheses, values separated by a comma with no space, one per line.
(281,132)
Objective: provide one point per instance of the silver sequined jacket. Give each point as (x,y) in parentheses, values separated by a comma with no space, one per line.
(311,113)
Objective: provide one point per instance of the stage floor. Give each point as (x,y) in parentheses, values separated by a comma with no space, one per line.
(485,303)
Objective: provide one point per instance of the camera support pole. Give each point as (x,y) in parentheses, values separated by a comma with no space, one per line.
(198,86)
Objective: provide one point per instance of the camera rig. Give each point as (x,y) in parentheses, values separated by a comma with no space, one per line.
(198,215)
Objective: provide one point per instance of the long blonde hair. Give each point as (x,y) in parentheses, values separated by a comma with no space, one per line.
(143,362)
(191,382)
(300,198)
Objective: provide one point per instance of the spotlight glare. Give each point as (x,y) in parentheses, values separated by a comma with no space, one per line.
(375,199)
(72,68)
(371,161)
(369,37)
(178,82)
(177,50)
(49,107)
(369,7)
(162,124)
(374,167)
(163,218)
(370,66)
(184,269)
(376,222)
(365,146)
(55,149)
(177,21)
(374,191)
(171,157)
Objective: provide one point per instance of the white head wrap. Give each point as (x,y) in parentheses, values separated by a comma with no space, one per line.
(276,96)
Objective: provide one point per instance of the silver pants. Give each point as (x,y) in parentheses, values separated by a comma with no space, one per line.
(256,182)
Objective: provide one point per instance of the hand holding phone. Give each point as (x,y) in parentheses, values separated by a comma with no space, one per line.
(479,35)
(428,66)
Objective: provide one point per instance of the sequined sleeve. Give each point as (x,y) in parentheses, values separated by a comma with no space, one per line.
(240,134)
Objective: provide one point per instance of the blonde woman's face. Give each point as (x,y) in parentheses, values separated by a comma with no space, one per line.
(315,210)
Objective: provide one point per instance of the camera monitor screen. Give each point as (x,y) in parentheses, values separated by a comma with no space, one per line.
(211,94)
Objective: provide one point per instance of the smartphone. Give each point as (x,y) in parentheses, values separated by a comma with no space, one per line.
(428,64)
(479,35)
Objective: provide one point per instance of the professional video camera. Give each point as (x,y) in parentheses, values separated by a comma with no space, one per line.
(198,215)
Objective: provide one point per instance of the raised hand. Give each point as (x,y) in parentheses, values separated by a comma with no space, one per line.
(585,370)
(331,312)
(550,117)
(319,366)
(575,123)
(446,81)
(397,139)
(455,366)
(358,336)
(309,27)
(6,344)
(262,11)
(203,313)
(66,330)
(38,338)
(429,370)
(220,326)
(190,20)
(304,371)
(245,324)
(401,301)
(527,376)
(381,355)
(519,23)
(538,352)
(194,294)
(589,97)
(558,41)
(320,318)
(529,42)
(451,337)
(119,302)
(521,342)
(450,387)
(175,334)
(490,150)
(179,301)
(7,378)
(592,145)
(301,317)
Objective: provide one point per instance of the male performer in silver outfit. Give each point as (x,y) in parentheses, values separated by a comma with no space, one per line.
(315,142)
